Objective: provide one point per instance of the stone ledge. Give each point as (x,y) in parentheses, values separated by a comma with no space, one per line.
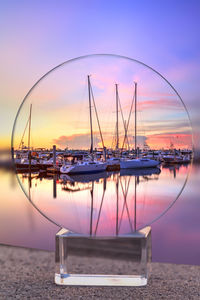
(29,274)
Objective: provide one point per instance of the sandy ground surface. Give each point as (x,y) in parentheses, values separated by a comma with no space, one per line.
(29,274)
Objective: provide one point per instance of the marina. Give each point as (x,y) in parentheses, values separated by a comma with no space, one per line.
(62,161)
(99,159)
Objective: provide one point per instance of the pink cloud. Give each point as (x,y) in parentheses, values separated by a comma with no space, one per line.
(160,103)
(76,141)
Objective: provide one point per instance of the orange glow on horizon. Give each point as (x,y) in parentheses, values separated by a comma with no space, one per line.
(82,141)
(180,141)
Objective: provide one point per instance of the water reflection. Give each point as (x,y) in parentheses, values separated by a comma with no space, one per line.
(107,203)
(176,233)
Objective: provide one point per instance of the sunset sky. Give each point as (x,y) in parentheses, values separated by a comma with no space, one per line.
(36,36)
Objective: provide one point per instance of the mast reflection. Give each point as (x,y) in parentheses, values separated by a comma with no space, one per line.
(107,203)
(122,180)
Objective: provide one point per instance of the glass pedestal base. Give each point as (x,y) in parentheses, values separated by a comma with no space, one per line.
(103,261)
(100,280)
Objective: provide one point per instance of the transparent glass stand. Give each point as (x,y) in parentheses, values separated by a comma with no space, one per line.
(84,260)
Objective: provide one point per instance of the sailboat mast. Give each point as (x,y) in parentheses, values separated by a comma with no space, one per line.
(117,118)
(90,107)
(29,129)
(135,118)
(97,116)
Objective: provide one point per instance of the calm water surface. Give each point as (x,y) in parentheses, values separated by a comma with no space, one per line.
(106,204)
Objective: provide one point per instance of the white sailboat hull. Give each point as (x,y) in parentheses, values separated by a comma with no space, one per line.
(84,168)
(138,163)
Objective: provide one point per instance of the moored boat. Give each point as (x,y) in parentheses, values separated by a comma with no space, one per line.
(138,163)
(84,167)
(176,159)
(113,164)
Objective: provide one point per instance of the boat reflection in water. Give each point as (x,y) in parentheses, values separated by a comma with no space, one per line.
(106,203)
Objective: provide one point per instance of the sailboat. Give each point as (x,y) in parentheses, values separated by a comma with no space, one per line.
(137,163)
(23,160)
(84,167)
(87,166)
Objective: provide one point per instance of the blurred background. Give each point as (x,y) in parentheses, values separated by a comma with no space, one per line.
(36,36)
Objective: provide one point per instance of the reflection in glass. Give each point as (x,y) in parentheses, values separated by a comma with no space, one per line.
(107,203)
